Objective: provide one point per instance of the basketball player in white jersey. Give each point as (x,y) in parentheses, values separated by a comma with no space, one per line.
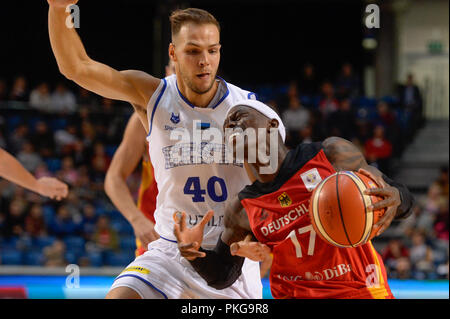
(194,185)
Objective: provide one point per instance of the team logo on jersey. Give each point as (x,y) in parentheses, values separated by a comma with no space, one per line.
(311,179)
(284,200)
(175,119)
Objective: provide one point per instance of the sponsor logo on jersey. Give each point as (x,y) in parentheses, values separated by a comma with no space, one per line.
(326,274)
(311,179)
(141,270)
(175,119)
(193,153)
(284,200)
(285,220)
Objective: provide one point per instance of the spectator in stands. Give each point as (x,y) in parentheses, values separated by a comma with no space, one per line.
(3,90)
(43,140)
(34,222)
(402,270)
(308,84)
(100,161)
(442,181)
(347,83)
(105,239)
(18,138)
(295,118)
(411,101)
(28,157)
(85,98)
(393,252)
(63,101)
(441,222)
(55,254)
(19,90)
(68,173)
(378,150)
(421,256)
(89,223)
(66,138)
(328,103)
(40,98)
(63,224)
(14,223)
(342,122)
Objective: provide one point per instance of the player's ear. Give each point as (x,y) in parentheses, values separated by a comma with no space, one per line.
(172,52)
(273,123)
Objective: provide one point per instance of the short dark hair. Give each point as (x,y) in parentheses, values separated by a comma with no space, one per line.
(181,16)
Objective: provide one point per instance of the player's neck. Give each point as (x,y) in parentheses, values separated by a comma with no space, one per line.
(254,169)
(199,100)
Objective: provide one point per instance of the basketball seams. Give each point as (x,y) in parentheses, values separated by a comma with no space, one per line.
(318,223)
(340,209)
(367,200)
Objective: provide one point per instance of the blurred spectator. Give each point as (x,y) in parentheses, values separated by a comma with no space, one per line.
(42,171)
(63,101)
(28,157)
(14,223)
(34,222)
(19,90)
(402,270)
(411,101)
(295,118)
(442,180)
(441,222)
(55,254)
(66,138)
(3,90)
(89,223)
(100,161)
(378,150)
(18,138)
(43,140)
(347,83)
(68,173)
(308,84)
(328,103)
(421,256)
(40,97)
(63,224)
(105,239)
(393,252)
(342,122)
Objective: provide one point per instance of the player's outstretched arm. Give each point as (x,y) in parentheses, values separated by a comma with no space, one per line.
(219,267)
(398,200)
(12,170)
(133,86)
(123,163)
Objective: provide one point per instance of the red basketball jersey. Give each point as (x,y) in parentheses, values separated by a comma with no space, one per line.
(305,266)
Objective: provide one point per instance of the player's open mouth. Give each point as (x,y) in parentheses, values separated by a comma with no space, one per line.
(203,76)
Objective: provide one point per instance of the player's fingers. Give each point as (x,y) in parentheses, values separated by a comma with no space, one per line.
(248,238)
(182,222)
(379,191)
(234,248)
(206,218)
(177,231)
(386,203)
(386,218)
(188,246)
(379,180)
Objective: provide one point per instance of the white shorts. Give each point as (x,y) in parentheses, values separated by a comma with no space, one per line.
(163,269)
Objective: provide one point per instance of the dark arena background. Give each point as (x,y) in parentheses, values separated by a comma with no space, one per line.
(316,62)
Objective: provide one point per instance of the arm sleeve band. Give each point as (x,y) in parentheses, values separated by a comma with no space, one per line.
(407,199)
(219,268)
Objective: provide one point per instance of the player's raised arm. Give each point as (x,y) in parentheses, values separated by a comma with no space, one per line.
(222,266)
(133,86)
(12,170)
(398,200)
(124,161)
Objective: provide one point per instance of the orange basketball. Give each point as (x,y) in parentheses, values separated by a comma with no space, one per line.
(339,209)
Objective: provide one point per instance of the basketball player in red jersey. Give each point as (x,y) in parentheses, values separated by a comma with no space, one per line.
(12,170)
(132,149)
(276,213)
(124,162)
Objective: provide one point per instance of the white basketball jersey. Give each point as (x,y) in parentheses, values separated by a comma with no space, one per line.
(188,176)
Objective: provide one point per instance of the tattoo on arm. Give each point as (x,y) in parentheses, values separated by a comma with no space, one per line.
(343,155)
